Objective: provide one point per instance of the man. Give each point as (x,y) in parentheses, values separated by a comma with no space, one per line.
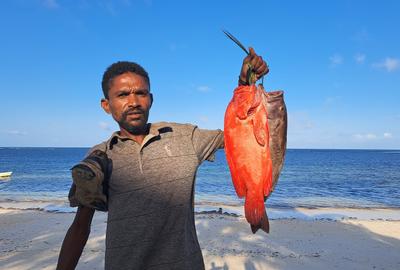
(150,189)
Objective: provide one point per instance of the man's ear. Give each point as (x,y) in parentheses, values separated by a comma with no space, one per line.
(151,99)
(105,105)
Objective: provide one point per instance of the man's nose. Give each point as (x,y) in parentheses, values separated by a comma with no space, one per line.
(133,99)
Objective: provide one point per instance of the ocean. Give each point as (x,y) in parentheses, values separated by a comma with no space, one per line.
(310,178)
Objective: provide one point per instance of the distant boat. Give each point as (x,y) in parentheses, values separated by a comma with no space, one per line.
(5,174)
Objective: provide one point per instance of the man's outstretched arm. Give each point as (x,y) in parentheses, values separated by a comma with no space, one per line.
(75,239)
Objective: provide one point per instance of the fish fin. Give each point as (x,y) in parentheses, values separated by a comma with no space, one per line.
(254,228)
(268,185)
(257,98)
(260,118)
(254,209)
(263,225)
(260,127)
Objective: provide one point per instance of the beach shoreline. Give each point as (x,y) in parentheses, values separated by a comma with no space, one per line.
(31,239)
(274,213)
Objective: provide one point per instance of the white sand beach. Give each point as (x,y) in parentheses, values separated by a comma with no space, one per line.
(31,239)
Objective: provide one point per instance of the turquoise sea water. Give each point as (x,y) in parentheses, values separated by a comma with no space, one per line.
(310,178)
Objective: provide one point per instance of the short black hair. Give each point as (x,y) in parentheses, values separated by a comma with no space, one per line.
(119,68)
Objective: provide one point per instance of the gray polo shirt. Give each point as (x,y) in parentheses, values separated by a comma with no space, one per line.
(151,197)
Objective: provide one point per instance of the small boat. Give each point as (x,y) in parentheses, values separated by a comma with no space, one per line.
(5,174)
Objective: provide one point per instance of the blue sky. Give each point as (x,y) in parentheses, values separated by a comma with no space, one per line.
(337,61)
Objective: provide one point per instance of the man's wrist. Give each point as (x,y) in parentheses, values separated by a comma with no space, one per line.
(242,82)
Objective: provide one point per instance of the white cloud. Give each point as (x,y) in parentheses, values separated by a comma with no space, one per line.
(50,4)
(104,125)
(372,136)
(365,137)
(387,135)
(336,59)
(16,132)
(390,64)
(360,58)
(203,88)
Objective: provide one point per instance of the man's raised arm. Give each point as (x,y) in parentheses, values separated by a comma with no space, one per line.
(259,67)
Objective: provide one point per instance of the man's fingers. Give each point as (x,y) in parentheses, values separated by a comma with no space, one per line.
(257,62)
(252,52)
(262,70)
(260,67)
(263,66)
(247,59)
(250,57)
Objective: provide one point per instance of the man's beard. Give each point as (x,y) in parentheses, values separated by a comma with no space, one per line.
(134,129)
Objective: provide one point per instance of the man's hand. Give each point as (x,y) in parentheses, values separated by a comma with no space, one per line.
(258,66)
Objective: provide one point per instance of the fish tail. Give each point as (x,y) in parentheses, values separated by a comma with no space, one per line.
(255,214)
(263,225)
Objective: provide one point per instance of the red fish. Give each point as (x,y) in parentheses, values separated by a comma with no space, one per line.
(247,148)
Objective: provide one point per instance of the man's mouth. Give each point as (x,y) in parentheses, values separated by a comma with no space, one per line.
(134,115)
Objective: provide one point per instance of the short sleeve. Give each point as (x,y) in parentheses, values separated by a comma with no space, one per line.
(206,142)
(72,194)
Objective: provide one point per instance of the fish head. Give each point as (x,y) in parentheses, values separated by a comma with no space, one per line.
(245,100)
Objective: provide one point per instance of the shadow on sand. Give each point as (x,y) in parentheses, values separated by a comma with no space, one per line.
(226,241)
(309,242)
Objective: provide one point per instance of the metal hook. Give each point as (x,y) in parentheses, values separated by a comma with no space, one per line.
(236,41)
(229,35)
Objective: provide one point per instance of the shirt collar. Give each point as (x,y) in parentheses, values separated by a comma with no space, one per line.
(153,132)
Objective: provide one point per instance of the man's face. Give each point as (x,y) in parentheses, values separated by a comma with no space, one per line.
(129,101)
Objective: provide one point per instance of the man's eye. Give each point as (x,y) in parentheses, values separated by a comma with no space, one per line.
(141,93)
(123,94)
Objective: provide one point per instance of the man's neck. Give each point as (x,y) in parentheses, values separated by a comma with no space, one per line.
(137,136)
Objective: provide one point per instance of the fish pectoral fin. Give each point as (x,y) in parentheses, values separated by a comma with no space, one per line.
(260,128)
